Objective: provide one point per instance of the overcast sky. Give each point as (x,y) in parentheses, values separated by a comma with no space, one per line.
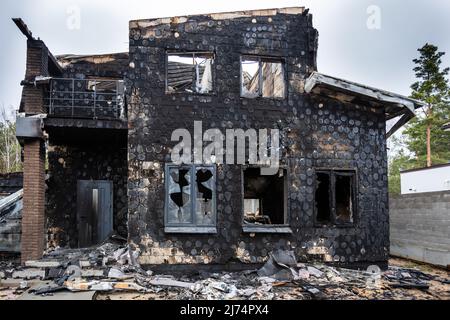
(379,55)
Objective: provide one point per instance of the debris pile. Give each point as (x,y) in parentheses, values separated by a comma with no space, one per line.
(113,268)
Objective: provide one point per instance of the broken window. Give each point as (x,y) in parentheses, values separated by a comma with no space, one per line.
(344,198)
(262,77)
(335,197)
(264,197)
(323,194)
(179,207)
(190,72)
(190,196)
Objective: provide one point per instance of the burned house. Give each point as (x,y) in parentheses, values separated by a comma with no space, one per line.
(106,123)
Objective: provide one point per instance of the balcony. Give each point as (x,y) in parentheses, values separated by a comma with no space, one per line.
(96,99)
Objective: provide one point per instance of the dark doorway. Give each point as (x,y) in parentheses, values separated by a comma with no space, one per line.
(94,211)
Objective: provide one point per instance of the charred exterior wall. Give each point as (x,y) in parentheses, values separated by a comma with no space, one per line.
(85,149)
(316,133)
(71,162)
(10,183)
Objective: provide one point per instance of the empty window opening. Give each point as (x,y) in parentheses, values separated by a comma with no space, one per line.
(335,197)
(262,77)
(190,196)
(190,72)
(264,197)
(344,196)
(323,208)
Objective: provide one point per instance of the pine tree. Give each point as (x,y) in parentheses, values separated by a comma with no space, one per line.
(426,138)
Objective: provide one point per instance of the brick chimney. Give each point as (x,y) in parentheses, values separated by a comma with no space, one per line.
(33,214)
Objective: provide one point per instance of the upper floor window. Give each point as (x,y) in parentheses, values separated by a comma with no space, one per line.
(189,72)
(262,77)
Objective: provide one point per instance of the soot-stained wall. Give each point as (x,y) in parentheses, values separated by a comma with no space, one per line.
(69,163)
(84,149)
(316,132)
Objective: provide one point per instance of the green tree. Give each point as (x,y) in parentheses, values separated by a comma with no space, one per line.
(424,140)
(10,150)
(425,136)
(399,162)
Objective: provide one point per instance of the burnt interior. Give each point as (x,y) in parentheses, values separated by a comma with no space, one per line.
(264,197)
(334,197)
(189,72)
(323,208)
(344,198)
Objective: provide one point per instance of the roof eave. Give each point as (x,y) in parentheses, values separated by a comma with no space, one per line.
(383,97)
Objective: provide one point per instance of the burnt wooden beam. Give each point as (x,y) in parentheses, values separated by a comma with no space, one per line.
(23,28)
(403,120)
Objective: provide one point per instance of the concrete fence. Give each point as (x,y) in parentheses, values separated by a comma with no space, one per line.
(420,227)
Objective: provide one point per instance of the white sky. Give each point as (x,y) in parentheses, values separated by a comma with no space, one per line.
(347,48)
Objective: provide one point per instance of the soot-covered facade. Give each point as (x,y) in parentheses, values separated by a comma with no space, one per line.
(238,72)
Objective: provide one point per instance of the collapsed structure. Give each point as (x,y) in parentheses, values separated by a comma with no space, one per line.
(106,123)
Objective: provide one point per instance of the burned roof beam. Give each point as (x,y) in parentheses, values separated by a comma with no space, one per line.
(23,28)
(403,120)
(53,64)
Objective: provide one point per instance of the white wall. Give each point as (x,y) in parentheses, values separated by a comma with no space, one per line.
(427,180)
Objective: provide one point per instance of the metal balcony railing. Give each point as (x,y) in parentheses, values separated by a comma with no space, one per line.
(86,98)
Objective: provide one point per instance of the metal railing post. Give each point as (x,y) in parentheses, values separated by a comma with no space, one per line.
(95,97)
(73,97)
(50,105)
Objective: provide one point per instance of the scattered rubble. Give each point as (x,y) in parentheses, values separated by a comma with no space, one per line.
(112,269)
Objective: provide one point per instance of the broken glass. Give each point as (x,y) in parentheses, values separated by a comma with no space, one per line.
(205,195)
(179,207)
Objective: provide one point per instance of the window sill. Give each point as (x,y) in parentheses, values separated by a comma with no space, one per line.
(263,98)
(198,230)
(336,226)
(199,94)
(266,229)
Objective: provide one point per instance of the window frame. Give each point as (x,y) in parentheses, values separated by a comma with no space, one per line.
(192,53)
(284,228)
(193,227)
(349,172)
(259,59)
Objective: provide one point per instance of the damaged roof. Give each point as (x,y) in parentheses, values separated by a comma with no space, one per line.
(67,59)
(396,106)
(349,91)
(53,66)
(110,65)
(218,16)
